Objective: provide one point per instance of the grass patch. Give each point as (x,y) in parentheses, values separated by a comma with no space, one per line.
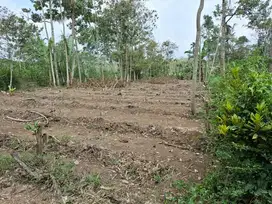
(7,163)
(93,179)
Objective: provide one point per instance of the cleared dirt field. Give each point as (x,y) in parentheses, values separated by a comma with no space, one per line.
(139,139)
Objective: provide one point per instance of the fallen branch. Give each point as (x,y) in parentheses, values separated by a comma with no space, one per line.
(43,116)
(15,155)
(54,138)
(29,99)
(173,145)
(22,120)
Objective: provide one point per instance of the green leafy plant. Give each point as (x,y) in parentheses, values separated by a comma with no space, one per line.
(11,90)
(157,178)
(33,128)
(241,120)
(242,136)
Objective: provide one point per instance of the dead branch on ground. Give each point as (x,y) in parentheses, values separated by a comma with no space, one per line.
(22,120)
(173,145)
(43,116)
(16,157)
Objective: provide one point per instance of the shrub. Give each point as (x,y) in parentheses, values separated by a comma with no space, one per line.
(241,139)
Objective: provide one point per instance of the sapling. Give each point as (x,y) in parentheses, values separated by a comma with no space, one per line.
(11,90)
(41,139)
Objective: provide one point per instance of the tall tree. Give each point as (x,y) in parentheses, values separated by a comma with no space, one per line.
(223,38)
(196,50)
(53,43)
(65,44)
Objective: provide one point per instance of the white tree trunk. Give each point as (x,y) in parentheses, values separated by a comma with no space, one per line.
(78,62)
(65,47)
(196,51)
(223,39)
(50,51)
(73,40)
(53,43)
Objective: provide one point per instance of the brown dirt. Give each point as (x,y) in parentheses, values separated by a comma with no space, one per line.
(146,126)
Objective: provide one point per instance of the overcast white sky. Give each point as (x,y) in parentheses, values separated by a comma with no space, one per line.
(176,19)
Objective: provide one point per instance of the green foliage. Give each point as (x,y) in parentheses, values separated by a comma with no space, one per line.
(5,76)
(157,178)
(93,179)
(33,128)
(243,141)
(11,89)
(6,163)
(241,118)
(63,172)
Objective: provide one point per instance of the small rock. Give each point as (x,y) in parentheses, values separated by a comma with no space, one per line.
(123,141)
(125,182)
(76,162)
(199,178)
(196,171)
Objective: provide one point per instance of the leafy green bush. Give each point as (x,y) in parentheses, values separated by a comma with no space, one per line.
(241,139)
(244,146)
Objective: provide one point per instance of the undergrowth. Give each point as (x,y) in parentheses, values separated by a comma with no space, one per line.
(56,172)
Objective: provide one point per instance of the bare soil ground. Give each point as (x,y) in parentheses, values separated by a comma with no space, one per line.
(138,138)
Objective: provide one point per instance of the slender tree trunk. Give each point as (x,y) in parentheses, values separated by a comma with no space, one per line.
(11,75)
(50,51)
(197,44)
(270,51)
(270,65)
(121,68)
(65,46)
(131,63)
(78,62)
(73,40)
(127,66)
(53,44)
(223,39)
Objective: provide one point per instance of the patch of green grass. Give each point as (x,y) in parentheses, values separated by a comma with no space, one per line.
(6,163)
(31,159)
(93,179)
(64,174)
(157,178)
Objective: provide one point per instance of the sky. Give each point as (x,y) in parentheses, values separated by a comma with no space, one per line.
(176,20)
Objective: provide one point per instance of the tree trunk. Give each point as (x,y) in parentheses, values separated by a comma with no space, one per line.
(65,46)
(127,68)
(121,68)
(197,44)
(78,62)
(50,51)
(53,43)
(223,39)
(11,76)
(270,52)
(73,40)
